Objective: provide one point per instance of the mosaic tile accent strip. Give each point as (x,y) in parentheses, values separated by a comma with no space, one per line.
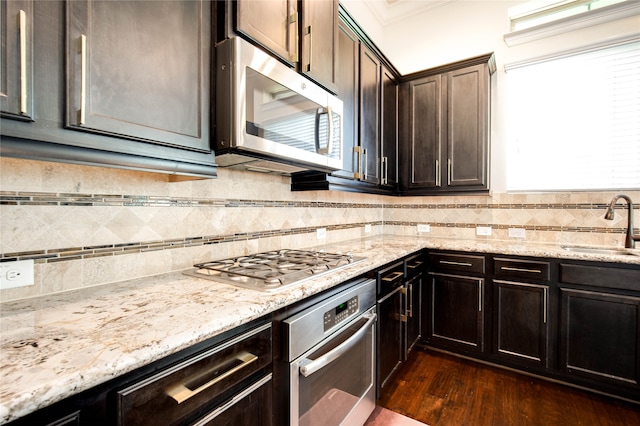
(76,253)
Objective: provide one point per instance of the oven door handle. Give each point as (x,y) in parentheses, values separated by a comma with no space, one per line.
(335,353)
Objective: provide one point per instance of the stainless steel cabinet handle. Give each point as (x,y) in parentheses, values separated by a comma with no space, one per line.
(358,175)
(384,171)
(335,353)
(181,392)
(449,171)
(449,262)
(83,79)
(393,276)
(438,173)
(410,301)
(293,22)
(366,166)
(22,28)
(415,265)
(307,34)
(479,295)
(544,306)
(509,268)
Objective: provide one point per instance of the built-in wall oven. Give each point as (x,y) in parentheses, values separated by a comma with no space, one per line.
(330,348)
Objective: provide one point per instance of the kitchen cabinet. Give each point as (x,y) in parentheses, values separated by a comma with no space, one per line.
(390,325)
(456,312)
(305,37)
(521,310)
(600,326)
(413,287)
(16,86)
(389,130)
(367,85)
(445,128)
(115,84)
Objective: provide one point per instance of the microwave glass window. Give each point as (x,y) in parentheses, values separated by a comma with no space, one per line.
(279,114)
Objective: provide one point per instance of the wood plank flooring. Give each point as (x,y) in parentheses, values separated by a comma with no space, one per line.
(443,390)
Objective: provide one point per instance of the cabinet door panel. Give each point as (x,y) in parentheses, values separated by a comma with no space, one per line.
(425,136)
(138,70)
(16,59)
(389,335)
(319,41)
(456,311)
(369,115)
(466,130)
(599,335)
(272,23)
(521,320)
(389,123)
(347,83)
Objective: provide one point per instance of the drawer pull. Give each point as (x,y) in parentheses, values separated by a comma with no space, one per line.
(449,262)
(415,265)
(180,393)
(533,271)
(393,276)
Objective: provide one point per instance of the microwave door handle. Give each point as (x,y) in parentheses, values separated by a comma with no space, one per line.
(329,147)
(335,353)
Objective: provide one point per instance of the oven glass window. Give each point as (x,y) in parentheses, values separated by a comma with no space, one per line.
(279,114)
(327,396)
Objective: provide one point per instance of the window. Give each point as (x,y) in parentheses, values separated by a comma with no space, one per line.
(540,12)
(574,121)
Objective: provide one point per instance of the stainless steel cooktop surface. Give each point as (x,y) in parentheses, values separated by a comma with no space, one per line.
(274,270)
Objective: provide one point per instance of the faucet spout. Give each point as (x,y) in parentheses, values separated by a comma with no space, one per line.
(630,240)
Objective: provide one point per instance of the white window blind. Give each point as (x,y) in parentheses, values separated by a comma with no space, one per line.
(574,121)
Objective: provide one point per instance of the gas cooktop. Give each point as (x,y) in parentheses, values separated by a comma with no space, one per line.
(274,270)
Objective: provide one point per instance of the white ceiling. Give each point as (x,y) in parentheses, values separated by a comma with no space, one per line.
(390,11)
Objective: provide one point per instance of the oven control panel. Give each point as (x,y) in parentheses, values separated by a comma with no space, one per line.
(340,313)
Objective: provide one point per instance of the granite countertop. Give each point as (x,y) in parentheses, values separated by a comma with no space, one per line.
(52,347)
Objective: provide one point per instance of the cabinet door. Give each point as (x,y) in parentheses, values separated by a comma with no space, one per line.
(389,123)
(271,23)
(424,139)
(413,313)
(140,70)
(16,59)
(319,45)
(600,336)
(389,335)
(347,89)
(467,127)
(369,116)
(457,311)
(521,313)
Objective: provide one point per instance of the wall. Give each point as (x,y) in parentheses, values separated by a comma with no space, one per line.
(88,226)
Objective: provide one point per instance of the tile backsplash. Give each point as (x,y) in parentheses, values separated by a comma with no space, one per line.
(86,226)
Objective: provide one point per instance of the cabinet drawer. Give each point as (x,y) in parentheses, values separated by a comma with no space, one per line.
(601,276)
(521,269)
(181,391)
(447,262)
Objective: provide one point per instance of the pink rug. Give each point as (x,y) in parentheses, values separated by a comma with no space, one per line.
(383,417)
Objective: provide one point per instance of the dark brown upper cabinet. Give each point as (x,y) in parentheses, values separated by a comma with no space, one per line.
(138,70)
(16,59)
(445,128)
(116,84)
(389,130)
(368,151)
(306,38)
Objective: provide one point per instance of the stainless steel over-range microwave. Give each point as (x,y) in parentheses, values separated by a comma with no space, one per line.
(269,117)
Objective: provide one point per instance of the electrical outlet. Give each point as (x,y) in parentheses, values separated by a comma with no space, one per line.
(516,232)
(367,228)
(321,233)
(423,228)
(16,274)
(483,230)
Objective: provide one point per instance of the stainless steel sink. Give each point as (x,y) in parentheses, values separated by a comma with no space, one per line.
(594,250)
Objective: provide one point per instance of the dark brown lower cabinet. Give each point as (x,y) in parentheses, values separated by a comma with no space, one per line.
(600,335)
(457,314)
(522,326)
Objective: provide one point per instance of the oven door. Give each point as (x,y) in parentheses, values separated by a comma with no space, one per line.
(334,382)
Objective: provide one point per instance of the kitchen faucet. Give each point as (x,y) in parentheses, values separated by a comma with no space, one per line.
(630,240)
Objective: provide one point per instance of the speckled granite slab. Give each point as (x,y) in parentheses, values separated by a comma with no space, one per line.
(56,346)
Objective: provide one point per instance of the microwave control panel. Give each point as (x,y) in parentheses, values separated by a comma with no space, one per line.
(340,313)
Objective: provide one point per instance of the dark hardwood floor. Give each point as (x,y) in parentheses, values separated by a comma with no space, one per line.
(443,390)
